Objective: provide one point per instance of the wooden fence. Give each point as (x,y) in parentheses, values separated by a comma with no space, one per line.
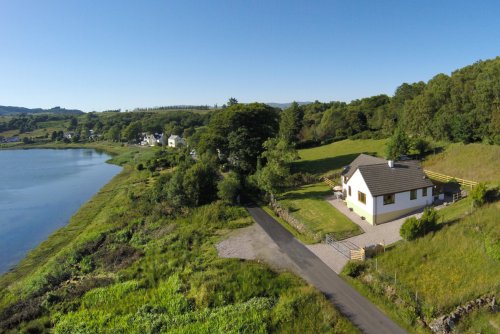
(445,178)
(358,254)
(329,182)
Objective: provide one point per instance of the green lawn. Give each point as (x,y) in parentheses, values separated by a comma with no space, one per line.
(475,162)
(309,206)
(331,157)
(446,268)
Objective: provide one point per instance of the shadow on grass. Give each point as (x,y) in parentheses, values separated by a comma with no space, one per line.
(306,195)
(321,166)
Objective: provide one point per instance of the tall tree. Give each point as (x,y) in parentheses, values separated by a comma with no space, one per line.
(232,101)
(398,145)
(278,154)
(238,132)
(290,123)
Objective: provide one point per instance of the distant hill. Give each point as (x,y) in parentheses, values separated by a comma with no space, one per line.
(285,105)
(8,110)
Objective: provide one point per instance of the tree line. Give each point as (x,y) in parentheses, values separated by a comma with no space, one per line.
(462,107)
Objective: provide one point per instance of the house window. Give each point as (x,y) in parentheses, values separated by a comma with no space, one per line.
(389,199)
(349,188)
(424,192)
(413,194)
(361,197)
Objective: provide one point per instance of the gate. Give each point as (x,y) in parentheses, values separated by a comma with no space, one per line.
(344,247)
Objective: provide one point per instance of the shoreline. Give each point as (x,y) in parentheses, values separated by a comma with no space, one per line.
(44,252)
(111,148)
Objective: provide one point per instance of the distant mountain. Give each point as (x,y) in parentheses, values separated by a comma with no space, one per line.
(285,105)
(7,110)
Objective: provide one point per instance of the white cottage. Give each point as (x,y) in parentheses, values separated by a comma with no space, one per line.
(381,191)
(175,141)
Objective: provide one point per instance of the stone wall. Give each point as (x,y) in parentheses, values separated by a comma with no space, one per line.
(445,323)
(284,214)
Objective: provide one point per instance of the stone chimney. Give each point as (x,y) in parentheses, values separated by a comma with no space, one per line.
(390,163)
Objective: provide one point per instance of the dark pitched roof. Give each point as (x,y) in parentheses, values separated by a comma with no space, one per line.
(361,160)
(404,176)
(382,179)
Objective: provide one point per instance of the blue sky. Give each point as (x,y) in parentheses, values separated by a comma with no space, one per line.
(97,55)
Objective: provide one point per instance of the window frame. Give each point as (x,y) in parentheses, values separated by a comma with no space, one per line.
(413,194)
(387,201)
(361,195)
(424,192)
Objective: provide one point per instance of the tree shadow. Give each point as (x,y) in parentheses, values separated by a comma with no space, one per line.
(310,195)
(321,166)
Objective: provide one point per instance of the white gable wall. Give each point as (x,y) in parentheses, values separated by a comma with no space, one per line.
(357,183)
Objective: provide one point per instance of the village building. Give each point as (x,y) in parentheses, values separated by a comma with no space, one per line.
(175,141)
(152,139)
(380,191)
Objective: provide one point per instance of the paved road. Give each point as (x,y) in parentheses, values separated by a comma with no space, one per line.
(348,301)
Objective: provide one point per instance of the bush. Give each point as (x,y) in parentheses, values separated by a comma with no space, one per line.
(229,188)
(353,269)
(428,221)
(140,167)
(414,228)
(410,229)
(478,195)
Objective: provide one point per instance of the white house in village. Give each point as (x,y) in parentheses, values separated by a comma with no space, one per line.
(152,139)
(381,191)
(175,141)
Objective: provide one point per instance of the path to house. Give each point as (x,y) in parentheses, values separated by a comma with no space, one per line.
(348,301)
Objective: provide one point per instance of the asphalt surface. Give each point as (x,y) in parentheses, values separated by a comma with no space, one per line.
(346,299)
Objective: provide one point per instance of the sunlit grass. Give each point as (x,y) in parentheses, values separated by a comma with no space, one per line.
(327,158)
(309,206)
(475,162)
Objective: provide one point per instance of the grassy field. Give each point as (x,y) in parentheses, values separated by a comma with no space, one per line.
(126,263)
(309,206)
(475,162)
(327,158)
(446,268)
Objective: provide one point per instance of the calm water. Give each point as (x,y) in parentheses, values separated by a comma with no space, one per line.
(40,190)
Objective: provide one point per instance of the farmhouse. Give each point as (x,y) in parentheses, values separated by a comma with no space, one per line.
(381,191)
(175,141)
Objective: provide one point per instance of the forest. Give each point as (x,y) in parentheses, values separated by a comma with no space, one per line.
(462,107)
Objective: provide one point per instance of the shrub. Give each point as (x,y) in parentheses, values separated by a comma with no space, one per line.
(478,195)
(140,167)
(353,269)
(414,228)
(410,229)
(428,221)
(228,188)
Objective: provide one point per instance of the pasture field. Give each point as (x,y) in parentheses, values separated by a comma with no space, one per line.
(332,157)
(474,162)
